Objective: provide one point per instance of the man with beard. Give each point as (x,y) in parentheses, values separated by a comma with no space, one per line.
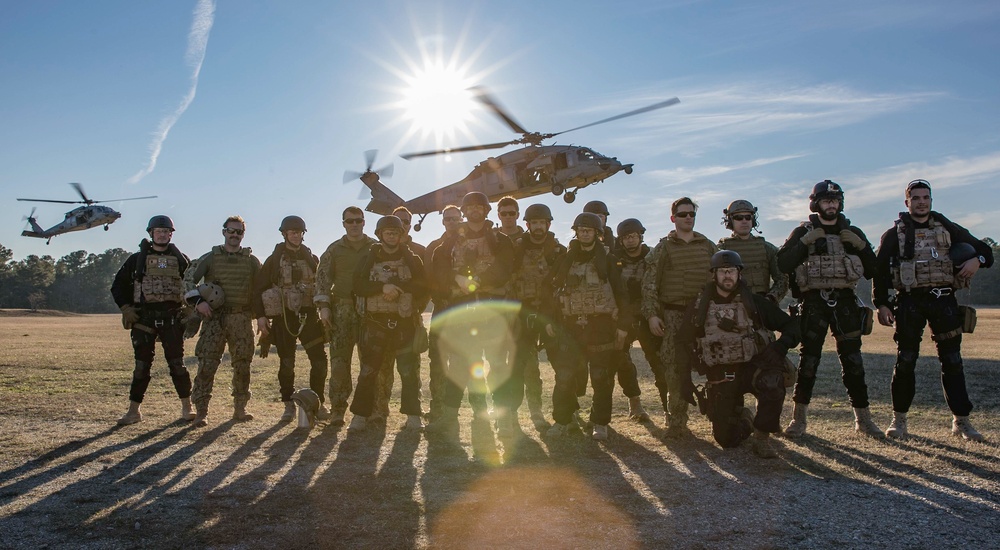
(730,329)
(590,317)
(284,291)
(148,289)
(471,270)
(760,258)
(335,301)
(536,252)
(630,254)
(918,259)
(389,283)
(676,271)
(825,257)
(233,268)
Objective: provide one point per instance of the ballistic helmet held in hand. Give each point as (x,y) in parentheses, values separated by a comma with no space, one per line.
(388,222)
(537,212)
(292,223)
(961,253)
(588,219)
(826,189)
(630,225)
(596,207)
(160,222)
(213,294)
(726,258)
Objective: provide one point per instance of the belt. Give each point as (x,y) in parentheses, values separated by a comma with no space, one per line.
(936,291)
(673,307)
(233,309)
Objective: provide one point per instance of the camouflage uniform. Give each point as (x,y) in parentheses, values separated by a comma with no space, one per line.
(676,271)
(334,284)
(760,261)
(234,272)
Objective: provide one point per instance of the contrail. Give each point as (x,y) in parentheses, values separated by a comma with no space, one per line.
(204,16)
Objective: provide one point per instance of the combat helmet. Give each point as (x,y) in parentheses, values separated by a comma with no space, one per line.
(160,222)
(588,219)
(292,223)
(473,198)
(630,225)
(737,206)
(537,212)
(596,207)
(826,189)
(388,222)
(726,258)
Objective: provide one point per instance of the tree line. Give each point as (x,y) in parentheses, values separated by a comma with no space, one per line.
(80,281)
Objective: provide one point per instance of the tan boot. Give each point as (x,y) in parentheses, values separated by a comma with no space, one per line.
(961,427)
(289,413)
(538,419)
(863,423)
(201,419)
(187,414)
(636,411)
(760,443)
(132,416)
(898,427)
(240,413)
(358,424)
(797,426)
(600,433)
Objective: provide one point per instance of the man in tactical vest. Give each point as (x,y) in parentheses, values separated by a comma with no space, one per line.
(451,218)
(410,354)
(729,329)
(605,235)
(590,313)
(233,268)
(335,301)
(471,271)
(825,258)
(148,289)
(760,264)
(284,290)
(917,257)
(389,283)
(676,271)
(536,252)
(630,253)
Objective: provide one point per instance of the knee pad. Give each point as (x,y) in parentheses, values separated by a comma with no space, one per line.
(906,360)
(951,362)
(807,366)
(177,367)
(142,369)
(853,363)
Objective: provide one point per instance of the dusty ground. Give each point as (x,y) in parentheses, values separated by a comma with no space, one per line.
(70,478)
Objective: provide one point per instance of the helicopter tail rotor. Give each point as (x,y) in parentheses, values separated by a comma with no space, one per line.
(370,155)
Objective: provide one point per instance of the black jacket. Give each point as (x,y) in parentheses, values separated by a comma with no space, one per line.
(123,287)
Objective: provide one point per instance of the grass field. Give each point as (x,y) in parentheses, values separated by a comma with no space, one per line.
(69,477)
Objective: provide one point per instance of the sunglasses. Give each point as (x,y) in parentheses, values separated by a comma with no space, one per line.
(231,231)
(452,218)
(354,221)
(685,214)
(507,214)
(742,217)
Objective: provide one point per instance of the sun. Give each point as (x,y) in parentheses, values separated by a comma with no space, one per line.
(436,101)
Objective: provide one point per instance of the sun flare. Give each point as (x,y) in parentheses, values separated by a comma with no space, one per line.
(437,102)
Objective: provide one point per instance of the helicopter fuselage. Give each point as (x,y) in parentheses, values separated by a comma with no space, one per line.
(78,219)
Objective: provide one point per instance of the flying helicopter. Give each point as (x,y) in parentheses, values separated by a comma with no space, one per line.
(525,172)
(91,214)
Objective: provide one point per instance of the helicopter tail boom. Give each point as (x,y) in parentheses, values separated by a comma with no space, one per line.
(383,199)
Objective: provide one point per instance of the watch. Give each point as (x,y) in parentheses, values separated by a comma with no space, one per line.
(982,260)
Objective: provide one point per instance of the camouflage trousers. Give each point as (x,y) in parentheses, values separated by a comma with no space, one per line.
(407,360)
(343,341)
(675,360)
(217,331)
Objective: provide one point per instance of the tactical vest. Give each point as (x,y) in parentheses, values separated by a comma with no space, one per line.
(930,265)
(756,267)
(161,281)
(344,260)
(234,273)
(530,274)
(835,268)
(297,282)
(395,272)
(473,257)
(632,272)
(726,347)
(585,292)
(684,270)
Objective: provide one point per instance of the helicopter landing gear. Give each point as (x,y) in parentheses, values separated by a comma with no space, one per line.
(420,223)
(105,227)
(557,189)
(49,240)
(569,197)
(628,168)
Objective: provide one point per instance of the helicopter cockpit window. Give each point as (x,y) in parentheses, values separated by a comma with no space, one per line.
(585,154)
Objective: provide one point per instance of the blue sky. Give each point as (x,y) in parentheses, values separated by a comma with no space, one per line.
(258,108)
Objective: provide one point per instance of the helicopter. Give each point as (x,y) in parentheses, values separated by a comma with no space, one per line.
(77,219)
(531,170)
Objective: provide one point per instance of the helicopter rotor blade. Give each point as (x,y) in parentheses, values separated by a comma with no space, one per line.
(370,158)
(481,95)
(50,200)
(79,189)
(385,171)
(29,217)
(409,156)
(128,199)
(646,109)
(351,175)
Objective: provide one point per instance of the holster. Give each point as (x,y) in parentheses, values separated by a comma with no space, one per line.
(968,315)
(867,320)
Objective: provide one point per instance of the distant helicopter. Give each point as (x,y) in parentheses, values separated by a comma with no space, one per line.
(525,172)
(77,219)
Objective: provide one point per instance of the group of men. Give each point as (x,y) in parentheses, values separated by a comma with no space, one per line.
(504,294)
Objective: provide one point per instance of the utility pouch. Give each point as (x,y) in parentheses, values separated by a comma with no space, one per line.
(867,320)
(907,274)
(968,315)
(272,302)
(791,373)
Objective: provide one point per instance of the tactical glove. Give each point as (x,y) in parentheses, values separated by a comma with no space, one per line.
(688,391)
(813,236)
(130,315)
(849,237)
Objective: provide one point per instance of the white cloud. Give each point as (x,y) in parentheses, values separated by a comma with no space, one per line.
(201,26)
(681,175)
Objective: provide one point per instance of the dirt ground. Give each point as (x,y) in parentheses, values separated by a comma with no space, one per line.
(69,477)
